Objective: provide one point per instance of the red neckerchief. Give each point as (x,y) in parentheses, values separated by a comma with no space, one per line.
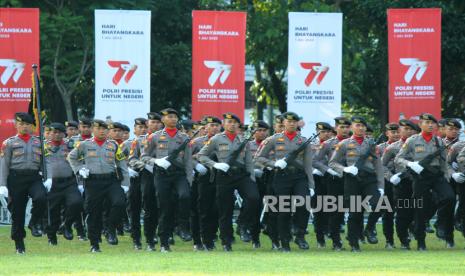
(258,142)
(57,143)
(322,141)
(171,131)
(358,139)
(290,136)
(231,136)
(99,142)
(85,137)
(340,138)
(403,139)
(25,137)
(427,136)
(390,142)
(119,141)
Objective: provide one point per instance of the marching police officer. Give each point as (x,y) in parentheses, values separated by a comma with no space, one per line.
(85,131)
(101,163)
(366,180)
(428,179)
(293,178)
(20,178)
(230,175)
(61,184)
(402,186)
(333,180)
(170,176)
(72,129)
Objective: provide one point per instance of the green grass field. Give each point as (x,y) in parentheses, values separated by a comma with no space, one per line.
(73,257)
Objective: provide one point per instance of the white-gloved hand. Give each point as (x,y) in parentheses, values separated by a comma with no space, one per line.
(281,163)
(317,172)
(201,169)
(395,179)
(221,166)
(132,173)
(417,168)
(381,191)
(312,192)
(163,163)
(48,184)
(125,188)
(4,191)
(81,189)
(333,172)
(84,172)
(149,168)
(352,170)
(458,177)
(258,173)
(455,166)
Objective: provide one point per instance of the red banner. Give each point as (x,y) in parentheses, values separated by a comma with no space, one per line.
(218,63)
(414,37)
(19,49)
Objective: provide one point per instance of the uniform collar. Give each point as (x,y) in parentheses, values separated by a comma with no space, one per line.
(25,137)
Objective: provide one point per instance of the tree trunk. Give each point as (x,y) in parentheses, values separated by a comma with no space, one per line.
(68,106)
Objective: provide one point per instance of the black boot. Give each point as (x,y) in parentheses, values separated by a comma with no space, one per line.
(285,247)
(36,230)
(95,248)
(370,234)
(301,242)
(52,239)
(20,248)
(421,245)
(68,232)
(112,238)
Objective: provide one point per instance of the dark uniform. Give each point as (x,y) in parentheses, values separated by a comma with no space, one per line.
(106,167)
(239,176)
(176,178)
(430,182)
(64,190)
(365,183)
(20,166)
(294,180)
(453,168)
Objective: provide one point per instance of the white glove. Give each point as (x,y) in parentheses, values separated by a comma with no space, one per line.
(333,172)
(458,177)
(258,173)
(381,192)
(281,163)
(201,169)
(395,179)
(417,168)
(455,166)
(132,173)
(4,191)
(125,188)
(317,172)
(352,170)
(221,166)
(312,192)
(163,163)
(81,189)
(149,168)
(84,172)
(48,184)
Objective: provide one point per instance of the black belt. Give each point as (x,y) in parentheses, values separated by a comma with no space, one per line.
(105,176)
(24,172)
(61,179)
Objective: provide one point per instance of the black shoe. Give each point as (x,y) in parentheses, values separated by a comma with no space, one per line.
(371,236)
(301,242)
(112,238)
(245,235)
(120,231)
(421,245)
(151,246)
(337,246)
(450,243)
(137,245)
(36,230)
(227,248)
(198,247)
(95,249)
(171,240)
(209,246)
(355,248)
(429,229)
(441,234)
(185,235)
(389,245)
(52,240)
(127,227)
(68,233)
(274,245)
(458,226)
(285,247)
(20,248)
(405,246)
(256,244)
(165,249)
(321,244)
(155,241)
(81,235)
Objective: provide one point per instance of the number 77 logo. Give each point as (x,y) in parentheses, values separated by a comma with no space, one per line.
(317,72)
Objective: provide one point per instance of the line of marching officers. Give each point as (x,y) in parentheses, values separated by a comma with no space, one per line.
(189,181)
